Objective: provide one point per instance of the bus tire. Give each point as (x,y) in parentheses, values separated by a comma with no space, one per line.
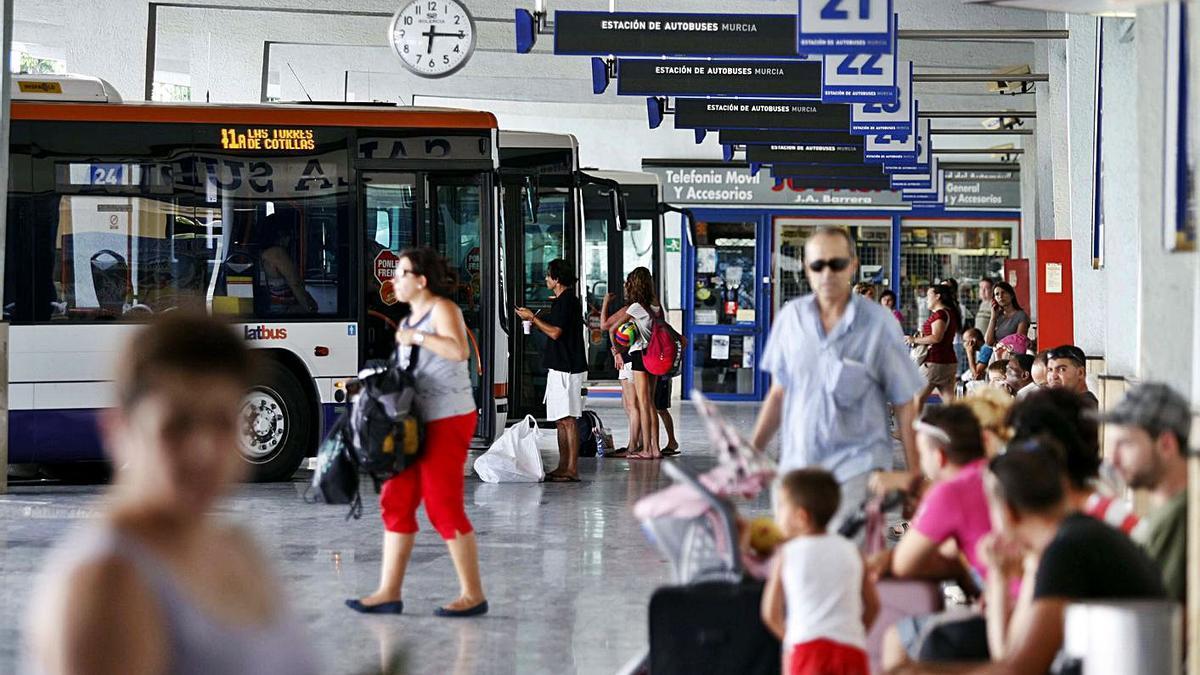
(276,419)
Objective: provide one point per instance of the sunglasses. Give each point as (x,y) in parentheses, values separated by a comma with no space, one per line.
(835,264)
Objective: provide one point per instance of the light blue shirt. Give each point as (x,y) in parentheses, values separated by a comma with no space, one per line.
(838,386)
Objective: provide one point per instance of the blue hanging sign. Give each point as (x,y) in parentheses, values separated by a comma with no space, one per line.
(893,147)
(920,162)
(722,77)
(860,78)
(916,179)
(859,171)
(814,153)
(669,34)
(773,136)
(844,27)
(895,117)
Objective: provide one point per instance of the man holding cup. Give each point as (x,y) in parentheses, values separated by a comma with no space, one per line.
(567,364)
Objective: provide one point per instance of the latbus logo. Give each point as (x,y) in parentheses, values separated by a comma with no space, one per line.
(265,333)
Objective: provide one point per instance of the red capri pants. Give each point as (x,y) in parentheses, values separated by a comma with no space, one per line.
(437,478)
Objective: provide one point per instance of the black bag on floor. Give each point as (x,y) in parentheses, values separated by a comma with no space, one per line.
(711,627)
(336,479)
(589,431)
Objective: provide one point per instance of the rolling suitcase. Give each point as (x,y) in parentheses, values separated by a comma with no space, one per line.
(711,627)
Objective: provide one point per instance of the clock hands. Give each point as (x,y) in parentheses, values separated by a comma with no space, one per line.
(431,33)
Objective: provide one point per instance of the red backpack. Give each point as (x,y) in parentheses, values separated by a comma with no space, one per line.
(664,351)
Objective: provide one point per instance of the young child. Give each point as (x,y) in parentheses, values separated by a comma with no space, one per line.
(819,600)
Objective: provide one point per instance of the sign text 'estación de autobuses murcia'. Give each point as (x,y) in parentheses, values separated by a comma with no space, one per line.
(251,138)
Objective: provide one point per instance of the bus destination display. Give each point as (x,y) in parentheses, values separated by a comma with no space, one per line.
(258,138)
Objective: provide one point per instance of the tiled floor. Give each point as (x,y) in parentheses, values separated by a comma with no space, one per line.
(567,569)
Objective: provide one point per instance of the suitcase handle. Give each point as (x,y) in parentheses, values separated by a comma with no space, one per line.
(727,515)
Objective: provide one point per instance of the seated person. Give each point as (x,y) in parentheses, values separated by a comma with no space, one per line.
(1038,371)
(286,288)
(1068,418)
(953,512)
(1017,374)
(1068,557)
(1067,369)
(819,599)
(1150,428)
(977,357)
(997,375)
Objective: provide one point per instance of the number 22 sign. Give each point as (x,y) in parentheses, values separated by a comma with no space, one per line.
(845,27)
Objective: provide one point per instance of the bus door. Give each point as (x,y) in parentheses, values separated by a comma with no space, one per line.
(541,223)
(447,212)
(610,253)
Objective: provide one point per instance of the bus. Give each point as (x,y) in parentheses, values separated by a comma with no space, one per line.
(604,223)
(287,219)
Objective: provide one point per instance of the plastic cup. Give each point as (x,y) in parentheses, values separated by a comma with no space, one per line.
(527,326)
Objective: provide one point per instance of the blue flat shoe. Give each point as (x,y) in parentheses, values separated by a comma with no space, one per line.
(477,610)
(394,607)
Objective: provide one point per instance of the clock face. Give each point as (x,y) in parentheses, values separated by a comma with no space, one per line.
(433,38)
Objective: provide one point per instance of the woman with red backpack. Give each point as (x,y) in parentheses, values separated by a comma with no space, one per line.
(640,296)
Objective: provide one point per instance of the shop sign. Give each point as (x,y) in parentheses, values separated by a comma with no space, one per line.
(845,27)
(674,34)
(860,77)
(888,117)
(691,77)
(773,136)
(831,182)
(827,171)
(702,113)
(982,189)
(808,153)
(735,186)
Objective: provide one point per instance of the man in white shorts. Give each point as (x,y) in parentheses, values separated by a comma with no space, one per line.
(566,362)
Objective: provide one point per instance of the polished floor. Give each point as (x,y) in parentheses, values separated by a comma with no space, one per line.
(567,569)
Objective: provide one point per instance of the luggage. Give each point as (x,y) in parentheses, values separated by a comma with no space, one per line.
(336,479)
(711,627)
(514,457)
(385,432)
(594,438)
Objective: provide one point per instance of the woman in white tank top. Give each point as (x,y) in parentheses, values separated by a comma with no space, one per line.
(158,584)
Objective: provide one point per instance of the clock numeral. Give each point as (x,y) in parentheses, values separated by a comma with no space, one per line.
(446,59)
(408,21)
(406,49)
(457,19)
(432,6)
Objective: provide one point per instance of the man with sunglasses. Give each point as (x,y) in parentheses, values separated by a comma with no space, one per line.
(1066,368)
(836,362)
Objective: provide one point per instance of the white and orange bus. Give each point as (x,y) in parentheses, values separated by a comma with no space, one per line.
(118,212)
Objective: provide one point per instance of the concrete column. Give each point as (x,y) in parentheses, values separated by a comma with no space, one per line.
(1165,281)
(6,21)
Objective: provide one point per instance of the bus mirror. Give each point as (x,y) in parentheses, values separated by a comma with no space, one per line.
(620,214)
(532,200)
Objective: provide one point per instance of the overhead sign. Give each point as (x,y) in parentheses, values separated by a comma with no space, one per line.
(773,136)
(700,113)
(982,189)
(735,186)
(684,77)
(385,266)
(674,34)
(920,161)
(807,153)
(891,147)
(895,117)
(860,78)
(844,26)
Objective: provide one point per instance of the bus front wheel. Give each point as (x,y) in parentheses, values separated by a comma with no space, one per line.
(275,424)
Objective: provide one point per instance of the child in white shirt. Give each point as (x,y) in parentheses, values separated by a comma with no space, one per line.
(819,599)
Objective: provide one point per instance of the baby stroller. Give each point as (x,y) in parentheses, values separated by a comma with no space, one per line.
(709,622)
(692,522)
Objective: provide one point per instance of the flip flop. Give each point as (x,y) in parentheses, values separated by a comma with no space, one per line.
(670,452)
(561,478)
(623,452)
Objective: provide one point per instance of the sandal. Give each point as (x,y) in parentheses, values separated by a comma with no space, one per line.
(670,452)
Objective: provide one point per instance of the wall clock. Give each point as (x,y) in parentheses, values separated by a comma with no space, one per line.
(433,38)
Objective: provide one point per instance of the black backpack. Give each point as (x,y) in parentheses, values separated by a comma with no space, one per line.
(385,431)
(336,478)
(590,439)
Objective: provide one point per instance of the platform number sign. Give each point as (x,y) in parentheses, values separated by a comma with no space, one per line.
(106,174)
(888,116)
(433,38)
(844,27)
(860,78)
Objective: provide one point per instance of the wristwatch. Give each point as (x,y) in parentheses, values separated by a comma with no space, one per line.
(418,337)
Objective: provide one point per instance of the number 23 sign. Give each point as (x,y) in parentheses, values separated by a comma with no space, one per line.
(844,27)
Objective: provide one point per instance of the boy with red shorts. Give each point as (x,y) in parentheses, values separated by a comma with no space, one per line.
(819,599)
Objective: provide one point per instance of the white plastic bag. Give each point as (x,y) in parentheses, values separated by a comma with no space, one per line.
(514,457)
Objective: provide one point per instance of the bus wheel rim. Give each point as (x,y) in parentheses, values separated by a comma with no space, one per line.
(264,425)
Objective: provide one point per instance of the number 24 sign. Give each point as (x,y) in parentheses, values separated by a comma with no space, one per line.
(845,27)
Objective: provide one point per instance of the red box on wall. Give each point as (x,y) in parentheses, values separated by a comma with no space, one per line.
(1055,294)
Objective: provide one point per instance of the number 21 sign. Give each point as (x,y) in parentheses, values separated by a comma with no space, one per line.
(845,27)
